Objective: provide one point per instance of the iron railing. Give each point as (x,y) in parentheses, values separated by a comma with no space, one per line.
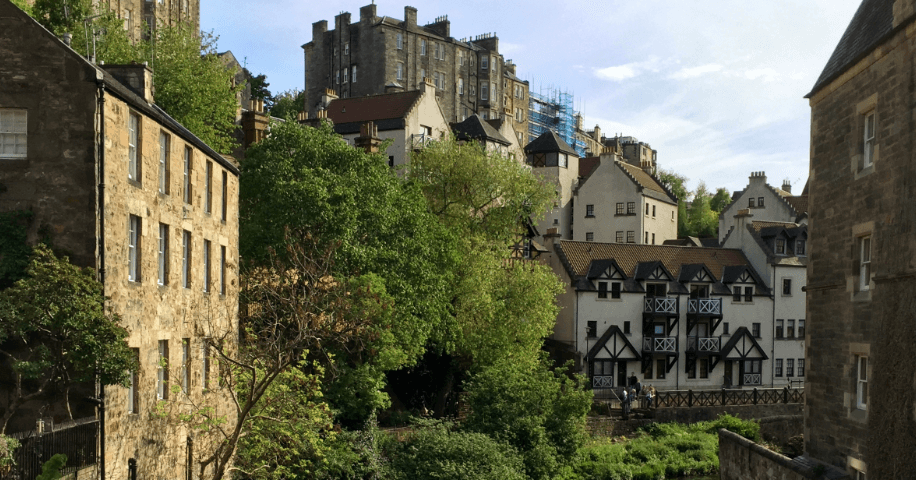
(704,344)
(419,141)
(603,381)
(659,344)
(704,306)
(661,305)
(751,379)
(726,397)
(78,440)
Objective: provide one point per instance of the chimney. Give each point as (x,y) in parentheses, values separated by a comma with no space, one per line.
(410,17)
(428,86)
(254,123)
(786,186)
(138,78)
(326,98)
(550,238)
(368,139)
(742,220)
(597,134)
(318,29)
(757,178)
(393,87)
(367,14)
(510,67)
(67,38)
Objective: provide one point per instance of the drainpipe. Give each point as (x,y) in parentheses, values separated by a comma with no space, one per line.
(773,331)
(101,274)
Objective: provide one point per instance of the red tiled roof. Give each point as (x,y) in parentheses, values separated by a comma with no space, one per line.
(375,107)
(799,203)
(628,255)
(587,165)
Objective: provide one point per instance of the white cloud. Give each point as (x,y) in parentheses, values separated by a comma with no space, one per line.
(765,74)
(618,73)
(694,72)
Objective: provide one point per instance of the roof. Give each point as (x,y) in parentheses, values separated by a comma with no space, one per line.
(799,203)
(871,25)
(372,108)
(645,180)
(549,142)
(588,165)
(628,256)
(474,128)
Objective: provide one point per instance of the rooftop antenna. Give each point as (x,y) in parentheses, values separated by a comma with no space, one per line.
(86,21)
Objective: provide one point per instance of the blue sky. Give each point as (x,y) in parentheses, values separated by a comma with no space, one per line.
(716,86)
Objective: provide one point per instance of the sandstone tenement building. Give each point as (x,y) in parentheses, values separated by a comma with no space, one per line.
(379,55)
(859,412)
(128,191)
(141,16)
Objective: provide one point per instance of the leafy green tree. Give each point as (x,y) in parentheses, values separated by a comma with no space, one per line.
(50,470)
(676,183)
(702,220)
(539,411)
(23,5)
(720,200)
(55,331)
(287,103)
(259,89)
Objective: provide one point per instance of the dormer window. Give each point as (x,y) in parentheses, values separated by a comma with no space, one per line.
(562,159)
(699,291)
(656,290)
(780,246)
(800,248)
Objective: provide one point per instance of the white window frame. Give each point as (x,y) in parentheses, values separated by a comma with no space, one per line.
(460,86)
(864,262)
(353,74)
(861,382)
(399,74)
(133,146)
(14,126)
(400,41)
(780,247)
(868,132)
(347,48)
(164,144)
(134,232)
(484,91)
(423,46)
(346,75)
(484,62)
(163,254)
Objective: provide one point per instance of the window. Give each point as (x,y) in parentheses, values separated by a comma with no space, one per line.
(656,290)
(187,175)
(186,259)
(626,327)
(400,73)
(647,373)
(751,372)
(780,246)
(346,75)
(591,331)
(206,266)
(868,152)
(484,62)
(13,133)
(619,208)
(860,475)
(800,248)
(777,369)
(133,146)
(589,210)
(493,91)
(660,368)
(864,262)
(750,202)
(692,371)
(589,236)
(185,365)
(163,163)
(484,91)
(422,74)
(133,248)
(653,211)
(602,289)
(128,24)
(133,391)
(162,371)
(208,186)
(790,328)
(347,48)
(619,236)
(748,294)
(787,286)
(631,236)
(204,364)
(779,327)
(647,209)
(422,46)
(861,382)
(473,89)
(493,63)
(631,208)
(646,241)
(801,328)
(736,294)
(615,290)
(400,41)
(790,367)
(222,269)
(653,239)
(353,74)
(704,368)
(755,330)
(801,367)
(337,77)
(760,202)
(460,86)
(225,197)
(725,330)
(163,254)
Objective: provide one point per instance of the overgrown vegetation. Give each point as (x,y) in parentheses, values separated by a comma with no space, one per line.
(698,211)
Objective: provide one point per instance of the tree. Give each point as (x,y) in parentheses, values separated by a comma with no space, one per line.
(287,103)
(55,331)
(702,220)
(720,200)
(539,411)
(259,89)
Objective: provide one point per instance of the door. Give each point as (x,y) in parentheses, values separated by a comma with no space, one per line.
(621,374)
(728,373)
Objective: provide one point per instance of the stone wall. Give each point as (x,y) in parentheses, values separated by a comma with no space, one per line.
(742,459)
(746,412)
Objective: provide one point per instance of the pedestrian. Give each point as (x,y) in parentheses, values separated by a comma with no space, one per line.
(632,380)
(649,395)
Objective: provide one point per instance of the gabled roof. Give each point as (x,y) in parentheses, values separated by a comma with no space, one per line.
(474,128)
(745,340)
(580,255)
(598,267)
(645,180)
(621,344)
(733,273)
(871,25)
(645,270)
(690,273)
(549,142)
(588,165)
(799,203)
(373,108)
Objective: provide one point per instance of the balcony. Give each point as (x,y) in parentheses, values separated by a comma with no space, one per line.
(704,345)
(661,306)
(659,344)
(704,307)
(751,379)
(419,141)
(603,381)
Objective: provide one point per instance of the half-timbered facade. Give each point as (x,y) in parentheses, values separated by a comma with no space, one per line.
(675,317)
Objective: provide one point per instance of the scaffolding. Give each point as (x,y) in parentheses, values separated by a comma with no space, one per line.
(553,110)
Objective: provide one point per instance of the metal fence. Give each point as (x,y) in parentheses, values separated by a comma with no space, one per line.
(705,398)
(78,440)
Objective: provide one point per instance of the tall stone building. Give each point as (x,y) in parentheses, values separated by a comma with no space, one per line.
(130,192)
(860,414)
(380,55)
(142,16)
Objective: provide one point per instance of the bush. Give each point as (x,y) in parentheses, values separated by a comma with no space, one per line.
(748,429)
(436,450)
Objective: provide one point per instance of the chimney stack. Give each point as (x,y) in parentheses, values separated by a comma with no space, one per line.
(138,78)
(786,186)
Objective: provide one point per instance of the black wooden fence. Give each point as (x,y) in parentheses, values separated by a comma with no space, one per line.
(78,440)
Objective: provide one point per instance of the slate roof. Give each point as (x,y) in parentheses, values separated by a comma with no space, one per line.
(628,256)
(871,25)
(549,142)
(644,179)
(372,108)
(474,128)
(799,203)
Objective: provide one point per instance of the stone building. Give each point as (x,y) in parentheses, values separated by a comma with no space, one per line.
(515,102)
(141,16)
(633,151)
(677,317)
(763,202)
(555,161)
(128,191)
(859,412)
(380,55)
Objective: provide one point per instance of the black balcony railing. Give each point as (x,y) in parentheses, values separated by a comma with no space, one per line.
(659,344)
(78,440)
(661,306)
(704,307)
(704,344)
